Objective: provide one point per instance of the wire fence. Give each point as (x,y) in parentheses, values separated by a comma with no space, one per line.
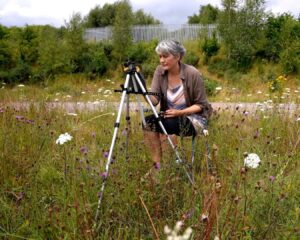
(180,32)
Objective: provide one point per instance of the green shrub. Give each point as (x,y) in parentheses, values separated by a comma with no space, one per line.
(19,74)
(290,59)
(210,86)
(210,46)
(191,58)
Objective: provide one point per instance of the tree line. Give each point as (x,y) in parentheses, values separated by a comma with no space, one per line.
(247,34)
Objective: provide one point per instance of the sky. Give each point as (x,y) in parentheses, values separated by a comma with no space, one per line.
(57,12)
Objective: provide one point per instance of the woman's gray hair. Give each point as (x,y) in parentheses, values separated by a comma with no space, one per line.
(171,47)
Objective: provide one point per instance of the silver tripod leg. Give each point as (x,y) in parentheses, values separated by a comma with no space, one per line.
(162,126)
(108,162)
(139,101)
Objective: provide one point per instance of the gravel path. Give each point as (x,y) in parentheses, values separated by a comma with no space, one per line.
(102,105)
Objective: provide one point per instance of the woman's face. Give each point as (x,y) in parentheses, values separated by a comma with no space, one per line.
(168,61)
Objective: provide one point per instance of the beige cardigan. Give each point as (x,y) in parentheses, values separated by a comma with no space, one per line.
(193,84)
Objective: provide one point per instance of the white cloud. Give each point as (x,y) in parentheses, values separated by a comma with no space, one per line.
(56,12)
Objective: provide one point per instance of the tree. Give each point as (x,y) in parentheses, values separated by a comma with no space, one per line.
(105,16)
(122,30)
(141,18)
(241,29)
(75,45)
(208,14)
(101,17)
(52,54)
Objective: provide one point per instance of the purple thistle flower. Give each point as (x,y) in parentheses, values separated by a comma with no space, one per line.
(157,165)
(272,178)
(105,154)
(19,118)
(29,121)
(84,150)
(104,175)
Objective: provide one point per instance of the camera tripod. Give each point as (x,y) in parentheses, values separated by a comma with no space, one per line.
(134,84)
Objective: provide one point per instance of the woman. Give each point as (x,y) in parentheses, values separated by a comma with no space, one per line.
(182,99)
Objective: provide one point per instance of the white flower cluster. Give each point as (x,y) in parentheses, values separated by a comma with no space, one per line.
(252,160)
(63,138)
(174,234)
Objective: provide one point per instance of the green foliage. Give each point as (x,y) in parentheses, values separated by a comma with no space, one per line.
(98,62)
(210,47)
(140,52)
(18,74)
(208,14)
(3,32)
(122,34)
(75,45)
(52,55)
(101,17)
(142,18)
(6,58)
(28,45)
(191,58)
(290,58)
(240,29)
(210,86)
(105,16)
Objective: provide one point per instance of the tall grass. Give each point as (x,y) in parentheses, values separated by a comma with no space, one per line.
(50,191)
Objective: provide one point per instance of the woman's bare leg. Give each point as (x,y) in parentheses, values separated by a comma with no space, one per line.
(152,140)
(165,145)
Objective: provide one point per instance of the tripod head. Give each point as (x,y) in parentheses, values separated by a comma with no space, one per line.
(130,67)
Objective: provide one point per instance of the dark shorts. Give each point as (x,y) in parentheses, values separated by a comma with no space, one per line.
(181,126)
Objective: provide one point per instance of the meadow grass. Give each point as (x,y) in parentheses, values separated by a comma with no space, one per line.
(50,191)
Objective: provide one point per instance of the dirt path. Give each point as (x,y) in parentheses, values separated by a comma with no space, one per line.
(102,105)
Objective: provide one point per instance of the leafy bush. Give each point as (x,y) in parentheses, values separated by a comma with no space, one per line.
(210,47)
(19,74)
(191,58)
(290,59)
(97,60)
(210,86)
(148,69)
(139,52)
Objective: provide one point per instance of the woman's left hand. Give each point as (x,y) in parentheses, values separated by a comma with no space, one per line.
(172,113)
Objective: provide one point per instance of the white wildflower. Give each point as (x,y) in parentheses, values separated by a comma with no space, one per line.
(259,92)
(298,119)
(178,226)
(63,138)
(174,234)
(107,92)
(21,85)
(218,88)
(252,160)
(205,132)
(71,114)
(167,230)
(83,92)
